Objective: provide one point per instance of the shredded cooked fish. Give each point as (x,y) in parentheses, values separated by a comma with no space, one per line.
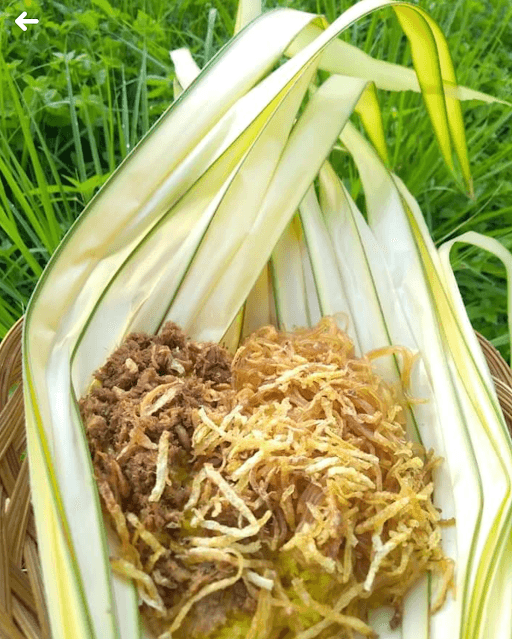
(291,501)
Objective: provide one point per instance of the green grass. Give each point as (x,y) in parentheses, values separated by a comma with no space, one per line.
(79,90)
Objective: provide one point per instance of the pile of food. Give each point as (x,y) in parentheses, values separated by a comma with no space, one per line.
(269,495)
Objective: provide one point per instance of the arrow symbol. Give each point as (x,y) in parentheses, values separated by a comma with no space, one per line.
(21,21)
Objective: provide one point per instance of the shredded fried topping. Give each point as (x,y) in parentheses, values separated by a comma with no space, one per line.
(270,496)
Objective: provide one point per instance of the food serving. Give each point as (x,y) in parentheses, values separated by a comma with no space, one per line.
(273,494)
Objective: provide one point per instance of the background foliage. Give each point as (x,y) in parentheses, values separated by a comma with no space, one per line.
(79,90)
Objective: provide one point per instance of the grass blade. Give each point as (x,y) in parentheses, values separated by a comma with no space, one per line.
(77,140)
(208,43)
(137,102)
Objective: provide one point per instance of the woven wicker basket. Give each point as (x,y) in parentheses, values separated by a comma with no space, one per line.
(23,612)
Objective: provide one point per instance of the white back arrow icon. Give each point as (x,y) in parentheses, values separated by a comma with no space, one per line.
(21,21)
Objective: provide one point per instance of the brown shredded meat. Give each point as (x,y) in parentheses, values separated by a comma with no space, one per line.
(276,489)
(179,376)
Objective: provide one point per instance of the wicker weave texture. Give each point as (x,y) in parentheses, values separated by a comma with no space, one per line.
(22,607)
(23,613)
